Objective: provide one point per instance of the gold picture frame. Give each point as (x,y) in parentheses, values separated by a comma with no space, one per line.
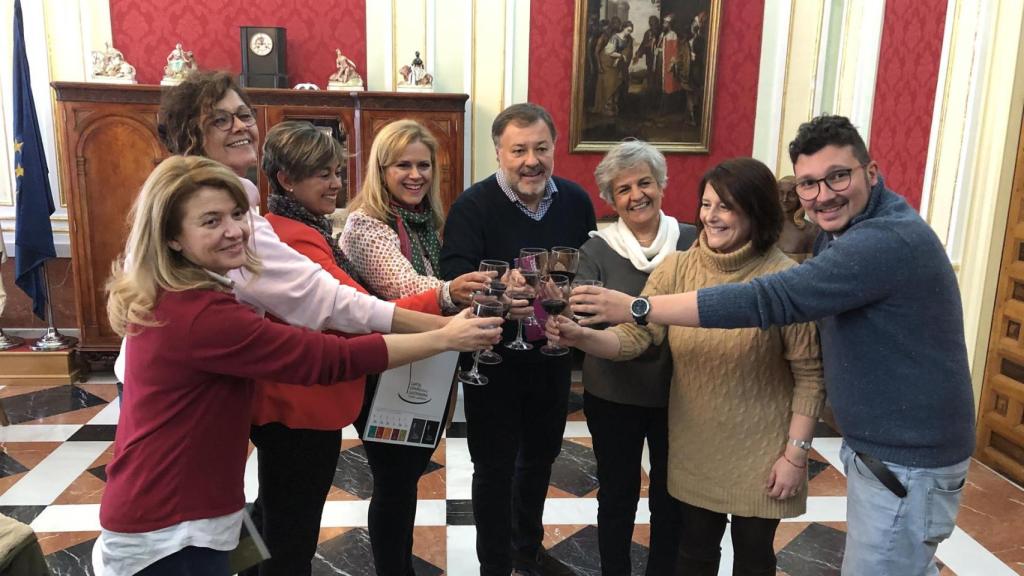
(624,87)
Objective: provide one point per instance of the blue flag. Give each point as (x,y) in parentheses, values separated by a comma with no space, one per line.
(33,238)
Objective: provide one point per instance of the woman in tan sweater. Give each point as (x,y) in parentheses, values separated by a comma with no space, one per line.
(743,403)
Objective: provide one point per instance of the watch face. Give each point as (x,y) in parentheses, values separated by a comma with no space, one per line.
(640,307)
(261,44)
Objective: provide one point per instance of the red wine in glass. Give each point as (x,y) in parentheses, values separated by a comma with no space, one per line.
(553,306)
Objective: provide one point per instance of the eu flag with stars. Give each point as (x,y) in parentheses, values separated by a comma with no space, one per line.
(33,235)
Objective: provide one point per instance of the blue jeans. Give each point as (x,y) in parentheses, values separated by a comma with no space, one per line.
(891,536)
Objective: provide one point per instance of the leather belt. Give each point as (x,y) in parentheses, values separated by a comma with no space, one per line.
(884,475)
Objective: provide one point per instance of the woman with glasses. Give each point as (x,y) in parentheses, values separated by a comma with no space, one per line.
(743,403)
(798,234)
(392,237)
(631,178)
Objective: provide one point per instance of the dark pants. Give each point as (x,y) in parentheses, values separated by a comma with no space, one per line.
(514,425)
(618,432)
(392,512)
(190,561)
(701,538)
(296,469)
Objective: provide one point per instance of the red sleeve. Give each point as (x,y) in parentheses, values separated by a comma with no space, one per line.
(425,301)
(229,338)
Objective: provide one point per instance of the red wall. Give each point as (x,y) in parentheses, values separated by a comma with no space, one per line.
(146,32)
(908,70)
(732,123)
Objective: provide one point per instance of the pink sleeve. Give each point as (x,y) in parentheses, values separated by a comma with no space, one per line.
(374,250)
(298,291)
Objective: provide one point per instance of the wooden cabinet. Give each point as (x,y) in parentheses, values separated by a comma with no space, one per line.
(108,144)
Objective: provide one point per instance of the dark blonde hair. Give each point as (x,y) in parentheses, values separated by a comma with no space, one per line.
(149,265)
(183,106)
(299,150)
(374,198)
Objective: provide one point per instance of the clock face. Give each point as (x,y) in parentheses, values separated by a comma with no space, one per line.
(261,44)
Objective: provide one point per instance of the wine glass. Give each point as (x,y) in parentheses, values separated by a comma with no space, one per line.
(564,260)
(494,293)
(554,295)
(533,263)
(576,316)
(482,309)
(499,266)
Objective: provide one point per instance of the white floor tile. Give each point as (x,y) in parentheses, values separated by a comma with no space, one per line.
(570,511)
(965,556)
(344,514)
(462,551)
(42,484)
(829,449)
(109,414)
(431,512)
(576,430)
(106,377)
(37,432)
(458,470)
(823,509)
(68,518)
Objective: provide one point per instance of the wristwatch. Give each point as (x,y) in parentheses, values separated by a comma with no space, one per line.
(804,445)
(640,308)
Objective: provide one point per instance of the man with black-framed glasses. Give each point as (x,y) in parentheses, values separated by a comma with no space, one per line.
(889,314)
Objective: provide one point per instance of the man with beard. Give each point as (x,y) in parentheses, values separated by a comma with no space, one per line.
(515,422)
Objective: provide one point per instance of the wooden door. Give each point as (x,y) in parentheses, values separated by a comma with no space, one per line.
(1001,414)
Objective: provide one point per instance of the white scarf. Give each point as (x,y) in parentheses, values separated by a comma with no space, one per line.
(620,238)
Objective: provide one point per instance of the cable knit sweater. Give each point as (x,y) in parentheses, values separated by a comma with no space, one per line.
(733,391)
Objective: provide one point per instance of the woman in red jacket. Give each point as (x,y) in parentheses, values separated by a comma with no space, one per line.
(304,167)
(173,503)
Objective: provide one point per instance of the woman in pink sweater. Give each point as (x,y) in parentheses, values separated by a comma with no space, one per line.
(174,500)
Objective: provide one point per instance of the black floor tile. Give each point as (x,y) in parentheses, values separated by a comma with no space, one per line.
(99,472)
(73,561)
(49,402)
(580,553)
(94,433)
(817,551)
(815,467)
(350,554)
(460,512)
(23,514)
(9,466)
(575,470)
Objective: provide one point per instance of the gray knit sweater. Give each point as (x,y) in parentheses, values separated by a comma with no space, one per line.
(891,324)
(643,381)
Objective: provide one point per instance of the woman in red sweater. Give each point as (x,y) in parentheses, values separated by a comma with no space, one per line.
(173,503)
(303,166)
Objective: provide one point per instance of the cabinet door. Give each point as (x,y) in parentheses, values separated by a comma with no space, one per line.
(446,128)
(111,149)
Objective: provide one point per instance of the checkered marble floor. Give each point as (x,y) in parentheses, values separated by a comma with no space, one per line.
(54,456)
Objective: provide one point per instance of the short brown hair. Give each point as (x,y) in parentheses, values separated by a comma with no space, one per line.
(182,107)
(523,114)
(751,187)
(300,150)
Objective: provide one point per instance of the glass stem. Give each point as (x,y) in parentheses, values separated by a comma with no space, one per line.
(476,362)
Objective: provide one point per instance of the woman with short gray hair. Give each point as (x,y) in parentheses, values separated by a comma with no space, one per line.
(631,178)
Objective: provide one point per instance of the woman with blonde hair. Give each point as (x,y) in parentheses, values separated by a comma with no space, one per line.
(174,502)
(393,239)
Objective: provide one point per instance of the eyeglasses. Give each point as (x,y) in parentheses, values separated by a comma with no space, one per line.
(224,120)
(837,181)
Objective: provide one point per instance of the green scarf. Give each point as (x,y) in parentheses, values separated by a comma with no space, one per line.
(417,236)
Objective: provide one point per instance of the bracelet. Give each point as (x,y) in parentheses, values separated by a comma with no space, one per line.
(791,463)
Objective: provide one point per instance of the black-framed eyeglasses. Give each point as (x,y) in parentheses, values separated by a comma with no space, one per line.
(836,180)
(224,120)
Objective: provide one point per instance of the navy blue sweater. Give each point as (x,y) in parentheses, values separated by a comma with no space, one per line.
(891,323)
(484,224)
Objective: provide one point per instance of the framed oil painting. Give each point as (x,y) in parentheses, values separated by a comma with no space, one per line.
(644,69)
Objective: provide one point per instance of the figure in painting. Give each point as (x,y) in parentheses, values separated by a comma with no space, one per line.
(613,70)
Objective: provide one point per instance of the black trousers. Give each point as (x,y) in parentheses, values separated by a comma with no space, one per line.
(190,561)
(514,425)
(392,512)
(700,546)
(296,469)
(618,432)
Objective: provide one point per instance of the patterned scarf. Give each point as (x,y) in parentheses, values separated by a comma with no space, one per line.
(289,207)
(418,237)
